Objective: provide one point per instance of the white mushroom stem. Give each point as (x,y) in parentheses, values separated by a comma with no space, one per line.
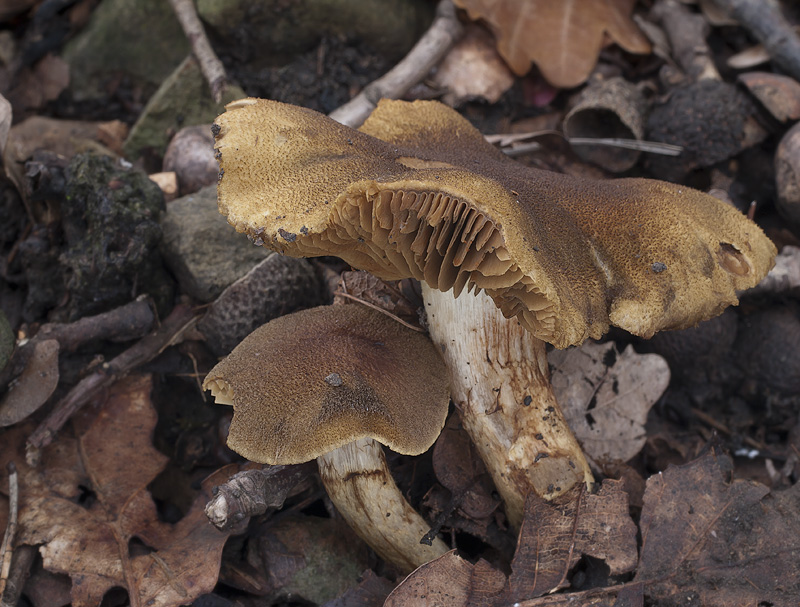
(501,386)
(361,487)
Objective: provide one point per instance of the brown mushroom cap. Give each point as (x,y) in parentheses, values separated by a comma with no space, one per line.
(420,193)
(312,381)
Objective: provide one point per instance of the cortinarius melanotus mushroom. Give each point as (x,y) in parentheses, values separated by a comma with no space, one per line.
(330,383)
(417,192)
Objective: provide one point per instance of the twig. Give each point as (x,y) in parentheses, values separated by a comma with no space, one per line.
(128,322)
(143,351)
(24,556)
(253,492)
(7,549)
(763,19)
(210,65)
(427,52)
(687,34)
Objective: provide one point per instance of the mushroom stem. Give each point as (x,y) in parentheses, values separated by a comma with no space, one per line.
(361,487)
(501,386)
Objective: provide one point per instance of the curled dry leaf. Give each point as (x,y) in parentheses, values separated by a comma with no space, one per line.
(89,499)
(34,386)
(562,38)
(712,542)
(606,396)
(552,539)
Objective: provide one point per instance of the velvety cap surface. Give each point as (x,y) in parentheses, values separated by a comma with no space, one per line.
(419,193)
(309,382)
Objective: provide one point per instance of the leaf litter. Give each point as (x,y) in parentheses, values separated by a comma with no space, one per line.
(88,508)
(703,537)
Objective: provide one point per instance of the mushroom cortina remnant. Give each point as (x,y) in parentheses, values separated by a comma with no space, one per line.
(331,383)
(417,192)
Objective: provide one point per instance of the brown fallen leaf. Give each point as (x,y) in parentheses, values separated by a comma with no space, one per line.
(562,38)
(458,467)
(473,69)
(34,386)
(711,542)
(307,558)
(37,84)
(452,581)
(555,534)
(89,499)
(606,396)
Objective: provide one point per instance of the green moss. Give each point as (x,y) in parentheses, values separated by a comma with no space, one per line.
(183,99)
(111,221)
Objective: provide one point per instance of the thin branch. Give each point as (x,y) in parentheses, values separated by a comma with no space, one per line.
(24,556)
(764,20)
(253,492)
(7,548)
(128,322)
(143,351)
(427,52)
(210,65)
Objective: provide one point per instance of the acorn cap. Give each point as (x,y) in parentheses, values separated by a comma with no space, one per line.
(309,382)
(419,193)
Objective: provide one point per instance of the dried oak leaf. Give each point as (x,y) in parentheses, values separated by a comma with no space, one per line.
(711,542)
(606,396)
(555,534)
(89,499)
(452,581)
(562,38)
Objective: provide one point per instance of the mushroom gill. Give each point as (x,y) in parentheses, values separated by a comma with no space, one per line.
(433,237)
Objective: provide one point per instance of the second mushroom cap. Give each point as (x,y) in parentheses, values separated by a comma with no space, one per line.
(312,381)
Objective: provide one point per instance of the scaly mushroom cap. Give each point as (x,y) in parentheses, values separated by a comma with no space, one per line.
(419,193)
(312,381)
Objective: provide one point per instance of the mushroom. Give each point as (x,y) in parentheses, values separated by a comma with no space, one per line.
(417,192)
(332,383)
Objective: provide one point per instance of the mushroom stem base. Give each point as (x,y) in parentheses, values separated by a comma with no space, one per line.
(361,487)
(501,386)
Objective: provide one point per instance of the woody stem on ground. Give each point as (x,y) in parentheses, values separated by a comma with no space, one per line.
(500,384)
(444,32)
